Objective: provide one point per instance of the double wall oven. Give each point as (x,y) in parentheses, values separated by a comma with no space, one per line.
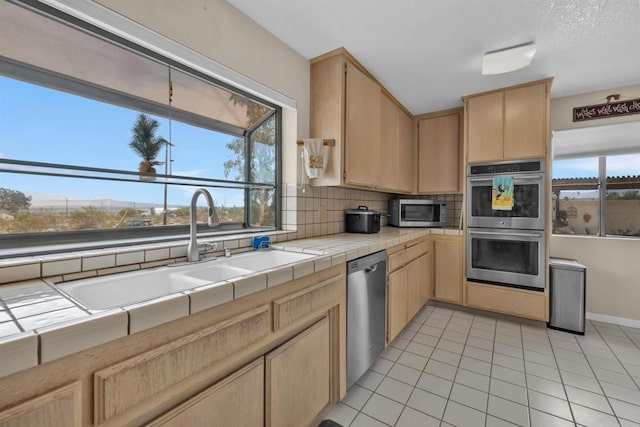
(506,242)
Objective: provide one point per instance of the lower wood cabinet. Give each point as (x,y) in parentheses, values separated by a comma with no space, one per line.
(448,268)
(297,378)
(57,408)
(396,303)
(238,400)
(517,302)
(409,283)
(414,286)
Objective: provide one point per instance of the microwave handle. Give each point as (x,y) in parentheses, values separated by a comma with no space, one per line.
(493,233)
(485,179)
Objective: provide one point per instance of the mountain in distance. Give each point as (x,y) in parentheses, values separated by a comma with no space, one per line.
(63,202)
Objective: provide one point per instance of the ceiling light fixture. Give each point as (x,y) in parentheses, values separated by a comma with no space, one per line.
(509,59)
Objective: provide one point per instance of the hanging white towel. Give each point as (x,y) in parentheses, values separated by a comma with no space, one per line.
(313,150)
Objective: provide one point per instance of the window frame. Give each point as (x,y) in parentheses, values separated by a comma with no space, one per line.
(63,241)
(602,199)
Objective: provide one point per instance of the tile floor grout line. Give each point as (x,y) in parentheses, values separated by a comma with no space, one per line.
(616,356)
(606,396)
(493,352)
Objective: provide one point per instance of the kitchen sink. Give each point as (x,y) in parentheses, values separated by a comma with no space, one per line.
(118,290)
(264,260)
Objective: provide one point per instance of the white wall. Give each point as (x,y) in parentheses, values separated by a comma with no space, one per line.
(613,264)
(217,30)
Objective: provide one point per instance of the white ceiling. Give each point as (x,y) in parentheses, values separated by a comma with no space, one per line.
(428,53)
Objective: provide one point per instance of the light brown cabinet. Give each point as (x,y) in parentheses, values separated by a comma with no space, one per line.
(238,400)
(440,152)
(61,407)
(387,169)
(362,133)
(408,286)
(373,132)
(448,268)
(396,303)
(508,124)
(406,153)
(414,287)
(426,290)
(297,378)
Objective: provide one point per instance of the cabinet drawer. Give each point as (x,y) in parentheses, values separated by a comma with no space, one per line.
(61,407)
(504,300)
(237,400)
(396,261)
(416,251)
(128,383)
(297,305)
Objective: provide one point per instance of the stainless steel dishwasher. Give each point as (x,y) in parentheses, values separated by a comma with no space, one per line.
(366,305)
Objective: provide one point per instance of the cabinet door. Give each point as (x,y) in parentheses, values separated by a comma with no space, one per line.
(439,154)
(485,127)
(427,275)
(414,287)
(298,378)
(525,127)
(397,303)
(388,160)
(61,407)
(448,279)
(238,400)
(362,129)
(406,176)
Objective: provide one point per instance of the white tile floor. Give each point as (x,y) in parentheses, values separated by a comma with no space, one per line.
(461,367)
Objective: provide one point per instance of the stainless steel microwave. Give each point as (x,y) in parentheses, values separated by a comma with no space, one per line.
(417,213)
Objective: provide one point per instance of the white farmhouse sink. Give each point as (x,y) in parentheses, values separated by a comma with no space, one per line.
(264,260)
(101,293)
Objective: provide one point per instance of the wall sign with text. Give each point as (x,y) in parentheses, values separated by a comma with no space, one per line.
(602,111)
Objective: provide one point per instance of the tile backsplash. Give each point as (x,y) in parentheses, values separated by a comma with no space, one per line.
(317,211)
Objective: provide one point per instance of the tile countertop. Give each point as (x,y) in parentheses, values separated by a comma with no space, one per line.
(39,324)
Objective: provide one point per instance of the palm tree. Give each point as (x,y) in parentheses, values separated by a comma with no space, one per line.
(146,144)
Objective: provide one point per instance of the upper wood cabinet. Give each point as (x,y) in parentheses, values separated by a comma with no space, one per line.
(508,124)
(387,169)
(373,132)
(362,133)
(406,153)
(439,152)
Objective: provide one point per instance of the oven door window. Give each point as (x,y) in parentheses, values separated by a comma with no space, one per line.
(526,201)
(420,213)
(510,256)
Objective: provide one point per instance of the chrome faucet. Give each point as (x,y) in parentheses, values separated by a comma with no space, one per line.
(193,252)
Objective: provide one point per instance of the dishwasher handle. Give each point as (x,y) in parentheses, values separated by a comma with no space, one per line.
(371,269)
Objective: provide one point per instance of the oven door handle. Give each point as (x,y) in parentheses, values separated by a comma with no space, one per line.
(515,178)
(493,233)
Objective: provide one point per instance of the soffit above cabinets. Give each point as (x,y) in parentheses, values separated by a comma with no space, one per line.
(428,53)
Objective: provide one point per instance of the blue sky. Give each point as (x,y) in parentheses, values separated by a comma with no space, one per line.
(45,125)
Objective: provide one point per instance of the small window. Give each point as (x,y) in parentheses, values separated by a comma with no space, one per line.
(99,141)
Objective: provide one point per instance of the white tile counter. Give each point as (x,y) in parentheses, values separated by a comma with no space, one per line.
(39,324)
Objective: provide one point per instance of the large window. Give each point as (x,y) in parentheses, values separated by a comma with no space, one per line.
(103,140)
(597,195)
